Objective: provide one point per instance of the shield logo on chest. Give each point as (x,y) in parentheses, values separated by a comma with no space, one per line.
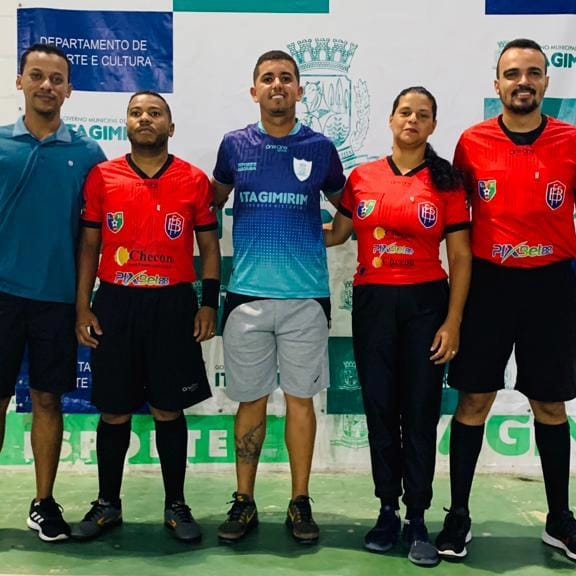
(302,169)
(427,214)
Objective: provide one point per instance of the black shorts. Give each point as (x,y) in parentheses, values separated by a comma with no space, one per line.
(147,352)
(47,328)
(530,310)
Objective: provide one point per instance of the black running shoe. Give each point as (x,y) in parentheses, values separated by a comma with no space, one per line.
(101,517)
(242,518)
(385,533)
(179,519)
(420,550)
(560,532)
(46,518)
(452,540)
(299,520)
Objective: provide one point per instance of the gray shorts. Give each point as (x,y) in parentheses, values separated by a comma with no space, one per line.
(276,343)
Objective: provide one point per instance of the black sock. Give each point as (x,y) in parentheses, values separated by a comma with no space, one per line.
(465,446)
(112,441)
(553,441)
(172,446)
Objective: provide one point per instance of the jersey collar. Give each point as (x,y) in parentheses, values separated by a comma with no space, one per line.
(294,130)
(61,135)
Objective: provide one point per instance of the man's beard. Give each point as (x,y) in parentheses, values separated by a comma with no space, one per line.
(524,109)
(156,145)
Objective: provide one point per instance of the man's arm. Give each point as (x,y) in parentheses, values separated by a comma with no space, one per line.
(221,193)
(209,248)
(88,254)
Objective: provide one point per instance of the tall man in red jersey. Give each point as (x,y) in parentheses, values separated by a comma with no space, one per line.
(145,327)
(521,172)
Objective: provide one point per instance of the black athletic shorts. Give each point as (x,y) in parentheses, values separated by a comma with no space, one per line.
(47,328)
(532,311)
(147,352)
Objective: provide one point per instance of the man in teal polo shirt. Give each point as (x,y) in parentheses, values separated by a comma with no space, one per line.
(43,166)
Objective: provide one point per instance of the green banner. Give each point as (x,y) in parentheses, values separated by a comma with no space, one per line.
(262,6)
(210,440)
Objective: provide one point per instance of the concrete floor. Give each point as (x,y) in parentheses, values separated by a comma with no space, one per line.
(508,515)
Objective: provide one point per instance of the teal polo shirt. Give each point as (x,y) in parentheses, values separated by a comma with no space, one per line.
(40,202)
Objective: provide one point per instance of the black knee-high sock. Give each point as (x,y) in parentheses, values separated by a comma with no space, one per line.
(465,446)
(553,443)
(172,446)
(112,441)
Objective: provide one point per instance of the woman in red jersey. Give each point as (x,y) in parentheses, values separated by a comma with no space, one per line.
(405,316)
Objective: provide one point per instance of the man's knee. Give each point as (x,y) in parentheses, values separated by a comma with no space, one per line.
(115,419)
(473,409)
(45,402)
(551,413)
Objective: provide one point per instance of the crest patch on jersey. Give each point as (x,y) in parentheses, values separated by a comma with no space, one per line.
(486,189)
(555,194)
(302,168)
(115,221)
(365,208)
(427,214)
(174,225)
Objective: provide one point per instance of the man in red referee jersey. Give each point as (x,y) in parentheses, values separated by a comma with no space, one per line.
(520,169)
(143,211)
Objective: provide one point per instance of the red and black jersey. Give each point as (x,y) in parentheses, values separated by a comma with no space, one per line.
(523,196)
(400,221)
(148,224)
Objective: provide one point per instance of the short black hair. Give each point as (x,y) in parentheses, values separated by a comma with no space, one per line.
(275,55)
(47,49)
(156,95)
(523,43)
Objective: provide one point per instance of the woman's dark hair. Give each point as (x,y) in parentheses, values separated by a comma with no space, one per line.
(444,177)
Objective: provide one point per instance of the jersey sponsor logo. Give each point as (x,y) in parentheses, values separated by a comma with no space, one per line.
(427,214)
(521,250)
(174,225)
(123,255)
(271,198)
(365,208)
(302,168)
(392,249)
(486,189)
(115,221)
(277,147)
(555,194)
(246,166)
(141,278)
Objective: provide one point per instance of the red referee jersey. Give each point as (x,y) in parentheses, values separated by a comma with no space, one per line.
(400,221)
(148,224)
(522,195)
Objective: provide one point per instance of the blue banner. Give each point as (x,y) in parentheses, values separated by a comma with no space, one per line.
(530,7)
(109,51)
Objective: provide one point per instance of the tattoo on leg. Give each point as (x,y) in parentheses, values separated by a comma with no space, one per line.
(248,447)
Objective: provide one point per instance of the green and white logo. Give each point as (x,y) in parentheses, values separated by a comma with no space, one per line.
(352,432)
(333,104)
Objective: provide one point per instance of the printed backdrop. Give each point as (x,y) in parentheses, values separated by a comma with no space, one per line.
(354,58)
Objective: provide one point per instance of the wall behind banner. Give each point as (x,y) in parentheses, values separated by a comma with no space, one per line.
(354,58)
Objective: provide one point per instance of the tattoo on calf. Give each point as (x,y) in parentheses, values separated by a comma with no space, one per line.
(248,447)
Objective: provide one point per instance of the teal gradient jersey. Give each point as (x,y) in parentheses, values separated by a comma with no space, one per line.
(277,234)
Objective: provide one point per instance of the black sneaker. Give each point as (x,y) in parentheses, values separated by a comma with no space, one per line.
(385,533)
(242,518)
(420,550)
(560,532)
(299,520)
(46,518)
(452,540)
(101,517)
(179,519)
